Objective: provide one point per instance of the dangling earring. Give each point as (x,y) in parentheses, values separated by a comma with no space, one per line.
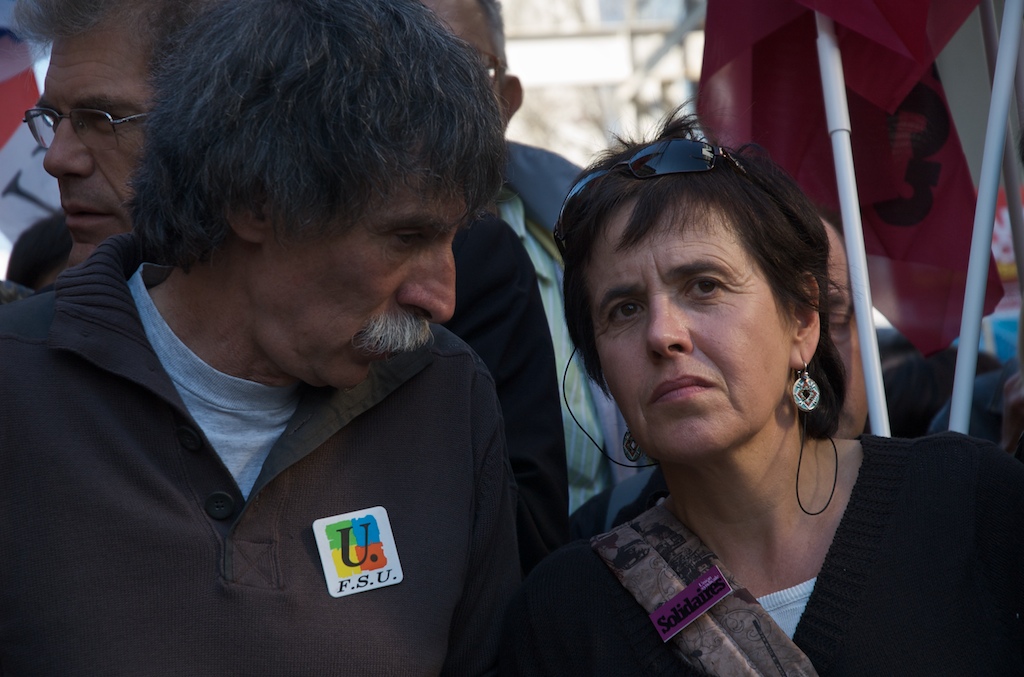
(631,448)
(805,391)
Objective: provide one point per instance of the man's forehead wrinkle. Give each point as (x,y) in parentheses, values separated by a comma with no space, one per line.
(103,103)
(412,209)
(96,70)
(421,220)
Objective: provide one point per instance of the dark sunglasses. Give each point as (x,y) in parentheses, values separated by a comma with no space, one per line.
(672,156)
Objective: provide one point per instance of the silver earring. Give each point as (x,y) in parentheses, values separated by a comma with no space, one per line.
(806,392)
(631,448)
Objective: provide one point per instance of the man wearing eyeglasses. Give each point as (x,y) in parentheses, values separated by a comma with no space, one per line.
(235,440)
(94,104)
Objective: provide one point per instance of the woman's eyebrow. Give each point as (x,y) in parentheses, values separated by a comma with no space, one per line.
(691,268)
(618,292)
(680,272)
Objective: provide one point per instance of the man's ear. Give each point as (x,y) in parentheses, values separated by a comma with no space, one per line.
(807,326)
(511,96)
(250,227)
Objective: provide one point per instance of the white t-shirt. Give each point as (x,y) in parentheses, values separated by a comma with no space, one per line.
(241,419)
(787,606)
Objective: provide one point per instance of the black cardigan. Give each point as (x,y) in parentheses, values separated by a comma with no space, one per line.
(925,576)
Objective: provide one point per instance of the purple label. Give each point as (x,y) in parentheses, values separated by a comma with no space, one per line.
(684,608)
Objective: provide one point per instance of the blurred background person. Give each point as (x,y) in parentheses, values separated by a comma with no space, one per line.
(40,253)
(918,387)
(536,181)
(997,397)
(502,312)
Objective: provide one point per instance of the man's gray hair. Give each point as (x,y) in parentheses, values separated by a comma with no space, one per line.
(44,20)
(148,22)
(312,114)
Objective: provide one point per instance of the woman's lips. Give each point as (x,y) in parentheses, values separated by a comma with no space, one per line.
(677,387)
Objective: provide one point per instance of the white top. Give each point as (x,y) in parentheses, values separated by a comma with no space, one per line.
(787,606)
(242,419)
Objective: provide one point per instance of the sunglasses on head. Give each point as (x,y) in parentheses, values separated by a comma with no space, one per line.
(672,156)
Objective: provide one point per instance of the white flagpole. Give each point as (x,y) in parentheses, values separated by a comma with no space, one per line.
(1011,177)
(837,112)
(984,218)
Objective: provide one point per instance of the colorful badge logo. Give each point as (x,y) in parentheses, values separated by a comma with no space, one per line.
(357,551)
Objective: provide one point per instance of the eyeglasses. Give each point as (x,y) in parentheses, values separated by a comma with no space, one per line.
(493,64)
(672,156)
(95,128)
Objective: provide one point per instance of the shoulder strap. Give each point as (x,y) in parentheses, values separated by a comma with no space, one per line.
(674,576)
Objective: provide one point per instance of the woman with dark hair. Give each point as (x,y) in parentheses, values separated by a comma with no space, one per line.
(696,291)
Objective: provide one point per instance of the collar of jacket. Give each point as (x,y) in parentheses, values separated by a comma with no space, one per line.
(95,317)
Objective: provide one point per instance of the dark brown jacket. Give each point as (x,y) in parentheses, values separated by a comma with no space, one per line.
(127,549)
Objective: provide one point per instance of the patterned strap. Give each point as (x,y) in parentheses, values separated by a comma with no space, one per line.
(656,558)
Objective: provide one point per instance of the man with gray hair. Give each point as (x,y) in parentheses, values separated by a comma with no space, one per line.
(259,454)
(102,52)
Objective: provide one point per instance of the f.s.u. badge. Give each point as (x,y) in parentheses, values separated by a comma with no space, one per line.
(357,551)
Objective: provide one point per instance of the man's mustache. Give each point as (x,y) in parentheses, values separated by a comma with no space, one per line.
(394,332)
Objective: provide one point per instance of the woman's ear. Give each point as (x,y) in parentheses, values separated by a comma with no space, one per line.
(807,329)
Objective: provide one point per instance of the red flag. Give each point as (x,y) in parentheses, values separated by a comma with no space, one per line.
(761,83)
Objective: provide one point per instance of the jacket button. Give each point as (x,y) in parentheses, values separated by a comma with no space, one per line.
(220,505)
(189,438)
